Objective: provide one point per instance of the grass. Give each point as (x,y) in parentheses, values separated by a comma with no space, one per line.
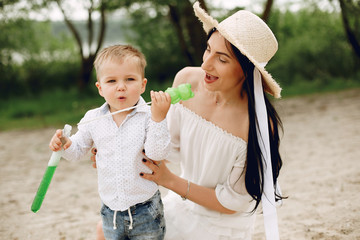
(52,109)
(318,86)
(56,108)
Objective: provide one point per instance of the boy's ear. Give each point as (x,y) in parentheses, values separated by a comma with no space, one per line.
(97,84)
(143,85)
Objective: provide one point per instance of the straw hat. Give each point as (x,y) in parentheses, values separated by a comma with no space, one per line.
(251,36)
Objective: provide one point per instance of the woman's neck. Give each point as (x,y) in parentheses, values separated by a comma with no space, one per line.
(234,96)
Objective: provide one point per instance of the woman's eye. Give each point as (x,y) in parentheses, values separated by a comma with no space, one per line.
(222,60)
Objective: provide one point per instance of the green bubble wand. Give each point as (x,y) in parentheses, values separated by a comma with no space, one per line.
(50,170)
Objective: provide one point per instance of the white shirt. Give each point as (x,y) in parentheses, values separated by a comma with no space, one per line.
(119,153)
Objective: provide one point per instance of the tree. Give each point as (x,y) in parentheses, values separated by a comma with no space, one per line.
(190,35)
(167,32)
(87,59)
(170,28)
(33,59)
(187,26)
(267,10)
(350,12)
(188,29)
(94,39)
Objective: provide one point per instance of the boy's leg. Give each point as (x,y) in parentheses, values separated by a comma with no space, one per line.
(107,216)
(148,220)
(99,231)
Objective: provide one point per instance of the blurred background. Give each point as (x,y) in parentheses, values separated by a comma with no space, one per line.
(47,49)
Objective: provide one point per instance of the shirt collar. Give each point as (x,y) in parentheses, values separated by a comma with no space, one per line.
(143,107)
(141,103)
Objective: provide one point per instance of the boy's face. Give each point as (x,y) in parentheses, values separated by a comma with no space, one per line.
(120,83)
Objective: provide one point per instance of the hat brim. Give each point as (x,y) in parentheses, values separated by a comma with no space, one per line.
(270,85)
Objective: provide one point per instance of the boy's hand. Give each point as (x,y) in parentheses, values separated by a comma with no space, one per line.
(58,140)
(160,104)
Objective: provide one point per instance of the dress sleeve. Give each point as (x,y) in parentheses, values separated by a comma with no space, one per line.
(174,129)
(232,194)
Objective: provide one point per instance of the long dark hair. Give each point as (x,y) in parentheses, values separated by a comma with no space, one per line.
(254,176)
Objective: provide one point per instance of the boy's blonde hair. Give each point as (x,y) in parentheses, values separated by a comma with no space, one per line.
(120,53)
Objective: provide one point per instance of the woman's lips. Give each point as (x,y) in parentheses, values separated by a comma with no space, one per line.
(210,78)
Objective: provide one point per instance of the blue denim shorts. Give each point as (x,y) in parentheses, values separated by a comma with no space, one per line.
(141,221)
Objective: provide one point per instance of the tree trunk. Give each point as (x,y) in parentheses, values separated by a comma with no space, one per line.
(267,10)
(196,32)
(87,61)
(350,33)
(187,26)
(85,72)
(174,17)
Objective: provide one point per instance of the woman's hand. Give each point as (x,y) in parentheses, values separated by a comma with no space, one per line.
(93,157)
(164,177)
(161,175)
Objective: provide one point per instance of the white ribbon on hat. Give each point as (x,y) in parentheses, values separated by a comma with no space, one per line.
(268,196)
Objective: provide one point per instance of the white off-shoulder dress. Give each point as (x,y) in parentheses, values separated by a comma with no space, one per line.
(214,158)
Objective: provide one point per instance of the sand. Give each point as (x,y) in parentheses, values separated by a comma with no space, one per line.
(321,176)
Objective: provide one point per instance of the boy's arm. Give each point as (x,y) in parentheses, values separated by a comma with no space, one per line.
(81,144)
(81,141)
(160,104)
(157,143)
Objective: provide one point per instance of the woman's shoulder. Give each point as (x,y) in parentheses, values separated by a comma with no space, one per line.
(191,75)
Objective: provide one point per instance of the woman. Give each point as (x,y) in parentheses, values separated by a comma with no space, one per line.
(226,138)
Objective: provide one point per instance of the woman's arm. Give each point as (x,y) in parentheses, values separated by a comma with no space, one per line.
(201,195)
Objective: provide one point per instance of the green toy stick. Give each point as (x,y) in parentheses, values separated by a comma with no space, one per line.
(45,182)
(182,92)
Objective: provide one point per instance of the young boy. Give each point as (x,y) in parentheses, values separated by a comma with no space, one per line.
(131,205)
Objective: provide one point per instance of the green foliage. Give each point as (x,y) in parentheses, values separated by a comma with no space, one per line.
(55,108)
(52,108)
(33,60)
(318,86)
(34,77)
(153,33)
(31,39)
(39,64)
(312,47)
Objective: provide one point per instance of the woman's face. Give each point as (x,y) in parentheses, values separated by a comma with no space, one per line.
(223,71)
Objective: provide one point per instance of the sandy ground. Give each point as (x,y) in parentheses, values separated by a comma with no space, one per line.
(321,176)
